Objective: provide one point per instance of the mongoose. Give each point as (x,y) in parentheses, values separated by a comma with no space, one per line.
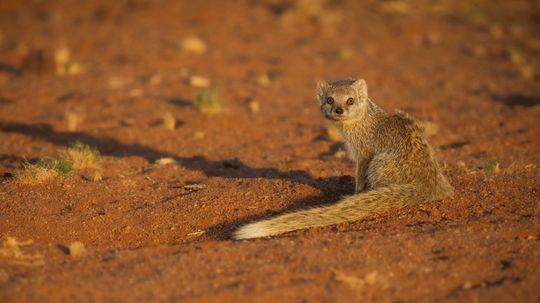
(395,165)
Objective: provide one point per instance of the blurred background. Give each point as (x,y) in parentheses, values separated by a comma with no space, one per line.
(202,78)
(205,77)
(205,117)
(124,68)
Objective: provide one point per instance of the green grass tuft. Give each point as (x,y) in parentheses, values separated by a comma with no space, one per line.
(82,156)
(59,164)
(208,101)
(491,166)
(77,156)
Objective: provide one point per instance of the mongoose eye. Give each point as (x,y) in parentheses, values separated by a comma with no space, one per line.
(350,101)
(330,100)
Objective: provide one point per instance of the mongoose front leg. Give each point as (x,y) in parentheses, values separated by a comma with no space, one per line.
(361,167)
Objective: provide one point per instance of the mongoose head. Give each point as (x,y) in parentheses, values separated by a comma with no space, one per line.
(343,99)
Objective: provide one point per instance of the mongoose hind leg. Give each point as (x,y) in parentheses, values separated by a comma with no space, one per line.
(383,170)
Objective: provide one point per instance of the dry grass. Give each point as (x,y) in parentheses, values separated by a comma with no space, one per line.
(303,10)
(193,45)
(44,169)
(208,102)
(196,233)
(264,80)
(77,249)
(310,8)
(11,250)
(169,121)
(346,53)
(521,168)
(199,135)
(491,166)
(516,55)
(165,161)
(340,154)
(199,81)
(78,156)
(65,66)
(73,119)
(119,82)
(254,106)
(82,156)
(34,174)
(369,280)
(527,72)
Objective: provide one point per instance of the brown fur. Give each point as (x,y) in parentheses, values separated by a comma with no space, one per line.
(395,163)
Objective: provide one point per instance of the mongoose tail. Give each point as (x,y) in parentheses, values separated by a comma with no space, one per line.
(349,209)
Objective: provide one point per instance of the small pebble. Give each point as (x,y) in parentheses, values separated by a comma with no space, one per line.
(199,81)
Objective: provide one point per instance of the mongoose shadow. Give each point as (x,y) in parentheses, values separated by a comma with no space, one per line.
(332,188)
(231,168)
(514,100)
(179,102)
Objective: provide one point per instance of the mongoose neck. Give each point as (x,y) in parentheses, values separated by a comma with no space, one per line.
(358,133)
(375,112)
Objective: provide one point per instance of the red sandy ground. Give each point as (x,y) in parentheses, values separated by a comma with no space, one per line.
(472,69)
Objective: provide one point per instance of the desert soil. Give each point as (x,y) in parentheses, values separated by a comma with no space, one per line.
(469,70)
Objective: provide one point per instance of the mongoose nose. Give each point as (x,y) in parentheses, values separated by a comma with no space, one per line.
(339,110)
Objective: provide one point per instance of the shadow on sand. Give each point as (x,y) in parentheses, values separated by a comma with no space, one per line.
(331,188)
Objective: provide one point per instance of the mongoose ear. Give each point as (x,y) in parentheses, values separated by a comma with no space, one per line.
(322,88)
(361,88)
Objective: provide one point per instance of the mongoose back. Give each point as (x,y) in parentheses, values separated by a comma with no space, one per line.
(395,165)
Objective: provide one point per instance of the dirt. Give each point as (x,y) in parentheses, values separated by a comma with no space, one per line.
(162,232)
